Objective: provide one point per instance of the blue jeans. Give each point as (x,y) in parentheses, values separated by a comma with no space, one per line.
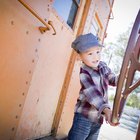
(83,129)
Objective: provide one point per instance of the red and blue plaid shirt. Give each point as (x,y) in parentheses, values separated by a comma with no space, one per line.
(93,96)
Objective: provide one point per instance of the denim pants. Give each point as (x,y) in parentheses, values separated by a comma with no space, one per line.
(83,129)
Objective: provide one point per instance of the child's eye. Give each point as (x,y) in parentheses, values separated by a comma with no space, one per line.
(90,54)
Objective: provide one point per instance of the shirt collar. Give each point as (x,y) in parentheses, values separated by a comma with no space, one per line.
(90,70)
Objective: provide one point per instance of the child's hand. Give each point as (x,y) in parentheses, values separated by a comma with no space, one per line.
(108,114)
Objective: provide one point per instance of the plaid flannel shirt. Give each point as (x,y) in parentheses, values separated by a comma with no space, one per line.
(93,93)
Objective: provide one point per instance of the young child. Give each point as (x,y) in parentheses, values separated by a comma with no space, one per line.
(92,104)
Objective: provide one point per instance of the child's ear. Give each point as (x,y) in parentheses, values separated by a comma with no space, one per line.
(78,58)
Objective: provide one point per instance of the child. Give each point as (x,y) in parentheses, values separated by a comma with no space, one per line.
(92,103)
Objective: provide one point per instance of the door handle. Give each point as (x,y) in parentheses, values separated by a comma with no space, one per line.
(44,29)
(47,25)
(51,24)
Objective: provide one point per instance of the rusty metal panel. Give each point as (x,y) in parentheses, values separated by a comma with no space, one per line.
(47,80)
(18,58)
(33,66)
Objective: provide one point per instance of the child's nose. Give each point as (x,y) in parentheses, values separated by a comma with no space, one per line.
(96,57)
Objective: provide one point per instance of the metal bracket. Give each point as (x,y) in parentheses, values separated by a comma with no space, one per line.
(44,29)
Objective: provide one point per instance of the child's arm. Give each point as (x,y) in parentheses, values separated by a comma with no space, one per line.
(93,96)
(112,78)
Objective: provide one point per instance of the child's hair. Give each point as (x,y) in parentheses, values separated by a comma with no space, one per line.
(84,42)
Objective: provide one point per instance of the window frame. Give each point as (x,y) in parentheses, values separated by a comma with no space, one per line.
(75,18)
(99,23)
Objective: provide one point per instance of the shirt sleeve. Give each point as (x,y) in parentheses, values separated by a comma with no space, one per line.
(92,94)
(112,78)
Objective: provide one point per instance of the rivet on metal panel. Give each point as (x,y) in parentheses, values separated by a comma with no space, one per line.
(27,32)
(30,71)
(39,40)
(36,50)
(37,100)
(13,128)
(33,61)
(12,22)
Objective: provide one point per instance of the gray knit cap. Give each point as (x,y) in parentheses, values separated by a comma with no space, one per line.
(84,42)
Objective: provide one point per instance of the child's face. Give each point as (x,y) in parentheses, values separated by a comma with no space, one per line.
(91,57)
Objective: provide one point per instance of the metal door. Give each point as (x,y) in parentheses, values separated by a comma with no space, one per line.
(33,65)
